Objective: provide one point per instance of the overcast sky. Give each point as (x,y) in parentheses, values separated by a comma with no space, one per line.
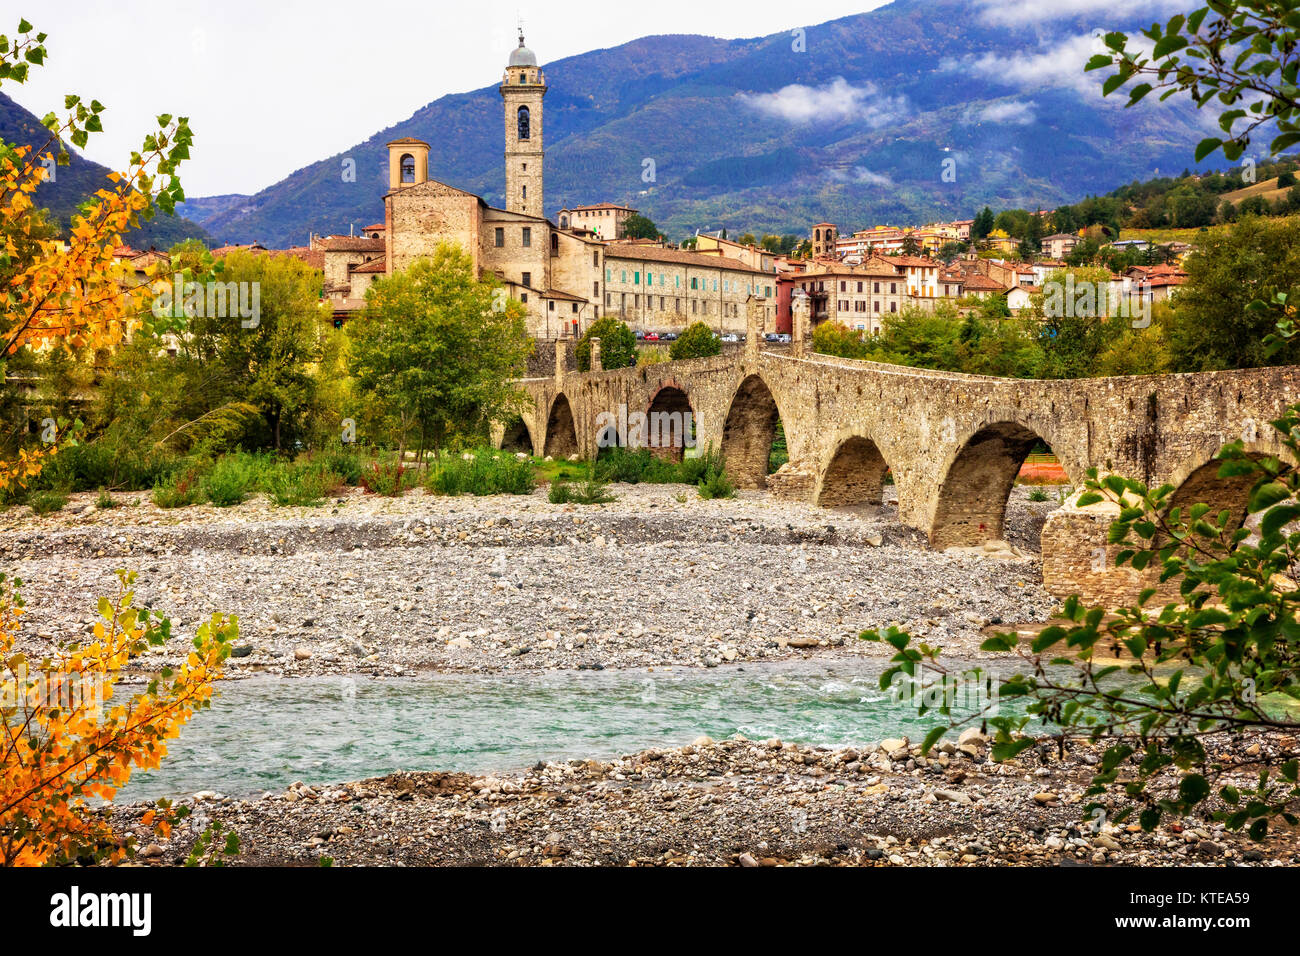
(273,85)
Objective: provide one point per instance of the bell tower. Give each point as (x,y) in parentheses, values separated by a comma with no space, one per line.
(522,90)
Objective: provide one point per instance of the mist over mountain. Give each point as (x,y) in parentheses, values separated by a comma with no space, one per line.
(855,121)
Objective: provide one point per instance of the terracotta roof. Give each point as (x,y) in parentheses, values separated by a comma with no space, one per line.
(375,227)
(650,253)
(408,141)
(979,282)
(350,244)
(313,257)
(601,205)
(373,266)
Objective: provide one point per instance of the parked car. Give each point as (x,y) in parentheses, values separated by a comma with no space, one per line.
(669,336)
(640,336)
(784,338)
(772,337)
(731,337)
(652,337)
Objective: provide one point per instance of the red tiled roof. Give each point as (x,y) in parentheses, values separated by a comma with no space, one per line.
(375,227)
(653,253)
(373,266)
(979,282)
(350,244)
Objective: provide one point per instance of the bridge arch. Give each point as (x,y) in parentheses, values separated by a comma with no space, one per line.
(854,474)
(1198,482)
(749,431)
(561,432)
(517,437)
(971,500)
(670,422)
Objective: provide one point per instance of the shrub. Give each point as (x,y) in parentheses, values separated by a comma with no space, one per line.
(835,338)
(44,502)
(105,500)
(1037,494)
(714,483)
(389,480)
(233,477)
(698,341)
(179,489)
(484,472)
(302,483)
(591,490)
(633,466)
(344,463)
(617,345)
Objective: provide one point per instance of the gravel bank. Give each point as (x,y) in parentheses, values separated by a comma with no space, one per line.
(387,587)
(733,802)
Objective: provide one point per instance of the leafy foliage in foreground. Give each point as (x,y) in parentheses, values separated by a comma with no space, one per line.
(1155,682)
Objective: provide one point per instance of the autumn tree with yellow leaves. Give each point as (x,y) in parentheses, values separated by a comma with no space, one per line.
(66,737)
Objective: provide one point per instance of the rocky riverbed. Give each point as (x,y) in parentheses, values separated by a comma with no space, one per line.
(733,802)
(386,587)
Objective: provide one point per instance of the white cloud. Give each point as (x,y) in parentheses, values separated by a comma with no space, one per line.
(1011,113)
(1025,12)
(836,102)
(1061,66)
(859,174)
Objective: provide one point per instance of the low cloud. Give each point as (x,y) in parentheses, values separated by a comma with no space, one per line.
(837,102)
(1025,12)
(860,174)
(1013,113)
(1060,66)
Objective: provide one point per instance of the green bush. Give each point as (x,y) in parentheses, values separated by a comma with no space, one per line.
(591,490)
(344,463)
(44,502)
(617,345)
(387,479)
(634,466)
(105,500)
(1037,494)
(698,341)
(714,483)
(301,483)
(234,477)
(179,489)
(483,472)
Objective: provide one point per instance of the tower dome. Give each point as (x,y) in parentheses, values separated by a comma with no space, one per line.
(521,55)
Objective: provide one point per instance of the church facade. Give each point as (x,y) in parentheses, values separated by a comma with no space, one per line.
(568,276)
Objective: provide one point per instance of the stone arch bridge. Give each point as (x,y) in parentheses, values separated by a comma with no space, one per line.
(953,444)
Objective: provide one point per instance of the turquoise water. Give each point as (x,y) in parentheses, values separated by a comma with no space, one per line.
(265,733)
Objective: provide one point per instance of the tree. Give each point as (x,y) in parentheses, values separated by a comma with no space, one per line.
(617,344)
(439,349)
(983,224)
(836,338)
(1238,54)
(1213,326)
(911,246)
(62,739)
(698,341)
(264,359)
(637,226)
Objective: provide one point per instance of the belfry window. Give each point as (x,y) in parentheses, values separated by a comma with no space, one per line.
(408,168)
(523,122)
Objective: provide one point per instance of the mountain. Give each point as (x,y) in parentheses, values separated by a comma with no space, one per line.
(919,110)
(80,179)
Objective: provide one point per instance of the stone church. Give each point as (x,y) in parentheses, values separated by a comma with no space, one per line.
(566,277)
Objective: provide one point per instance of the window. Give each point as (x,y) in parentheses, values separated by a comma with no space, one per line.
(524,131)
(555,244)
(695,306)
(695,283)
(893,307)
(636,278)
(575,306)
(877,288)
(528,235)
(661,303)
(607,275)
(859,286)
(844,286)
(622,275)
(524,298)
(893,288)
(528,279)
(525,189)
(408,168)
(551,305)
(595,261)
(877,306)
(500,237)
(595,289)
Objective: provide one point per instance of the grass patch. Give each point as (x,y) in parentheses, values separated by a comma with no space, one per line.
(46,502)
(590,490)
(179,489)
(483,472)
(234,477)
(303,484)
